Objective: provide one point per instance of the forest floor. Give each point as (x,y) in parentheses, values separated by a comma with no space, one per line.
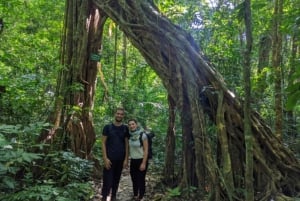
(154,191)
(125,188)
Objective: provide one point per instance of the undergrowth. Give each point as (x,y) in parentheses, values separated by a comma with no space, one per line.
(32,176)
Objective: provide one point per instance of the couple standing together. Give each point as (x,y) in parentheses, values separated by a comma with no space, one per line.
(118,143)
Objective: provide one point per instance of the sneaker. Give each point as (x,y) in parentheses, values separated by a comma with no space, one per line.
(113,198)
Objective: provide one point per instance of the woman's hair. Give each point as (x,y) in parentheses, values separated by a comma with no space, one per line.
(134,120)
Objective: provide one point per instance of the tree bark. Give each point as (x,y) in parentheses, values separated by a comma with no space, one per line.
(291,117)
(80,55)
(116,42)
(189,177)
(249,195)
(169,169)
(277,65)
(223,139)
(124,57)
(264,50)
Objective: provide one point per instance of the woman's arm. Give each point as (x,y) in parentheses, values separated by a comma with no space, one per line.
(145,156)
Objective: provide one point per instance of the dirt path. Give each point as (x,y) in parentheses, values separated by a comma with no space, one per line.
(125,188)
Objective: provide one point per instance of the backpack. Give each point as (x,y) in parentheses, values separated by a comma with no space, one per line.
(149,135)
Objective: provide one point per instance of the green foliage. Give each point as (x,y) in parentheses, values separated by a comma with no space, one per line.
(63,176)
(174,192)
(140,90)
(45,192)
(29,58)
(14,159)
(29,64)
(26,175)
(23,136)
(189,193)
(294,92)
(65,167)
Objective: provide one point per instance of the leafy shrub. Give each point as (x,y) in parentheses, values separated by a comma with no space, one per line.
(65,167)
(46,192)
(36,176)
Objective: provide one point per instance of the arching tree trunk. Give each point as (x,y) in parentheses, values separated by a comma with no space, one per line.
(191,81)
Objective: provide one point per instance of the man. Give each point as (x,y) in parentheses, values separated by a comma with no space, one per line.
(115,154)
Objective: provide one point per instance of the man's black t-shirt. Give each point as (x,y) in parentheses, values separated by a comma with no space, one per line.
(115,144)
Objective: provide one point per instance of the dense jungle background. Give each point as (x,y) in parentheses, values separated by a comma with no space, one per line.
(33,65)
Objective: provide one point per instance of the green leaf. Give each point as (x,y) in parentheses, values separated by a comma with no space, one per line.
(9,182)
(292,100)
(29,157)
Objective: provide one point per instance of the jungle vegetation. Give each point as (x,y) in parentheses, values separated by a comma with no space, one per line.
(217,81)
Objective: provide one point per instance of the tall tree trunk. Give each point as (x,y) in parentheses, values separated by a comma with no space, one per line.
(198,130)
(247,107)
(115,59)
(264,49)
(276,63)
(169,169)
(124,57)
(291,119)
(80,52)
(188,167)
(81,58)
(223,139)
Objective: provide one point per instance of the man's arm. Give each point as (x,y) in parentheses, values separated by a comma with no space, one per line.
(107,163)
(125,164)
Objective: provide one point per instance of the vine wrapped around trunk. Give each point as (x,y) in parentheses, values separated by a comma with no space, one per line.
(80,55)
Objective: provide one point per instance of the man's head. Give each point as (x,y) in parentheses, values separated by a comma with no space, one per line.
(119,115)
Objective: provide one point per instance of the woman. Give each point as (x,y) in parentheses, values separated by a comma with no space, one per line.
(138,150)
